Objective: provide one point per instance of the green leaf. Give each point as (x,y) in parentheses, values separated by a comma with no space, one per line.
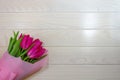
(15,35)
(9,47)
(16,47)
(12,41)
(18,52)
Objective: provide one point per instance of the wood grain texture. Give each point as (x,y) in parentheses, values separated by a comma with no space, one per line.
(77,72)
(63,21)
(86,5)
(59,6)
(80,38)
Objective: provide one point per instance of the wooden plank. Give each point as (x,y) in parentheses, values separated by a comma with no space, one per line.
(81,55)
(84,55)
(59,6)
(56,21)
(78,72)
(86,6)
(25,6)
(66,38)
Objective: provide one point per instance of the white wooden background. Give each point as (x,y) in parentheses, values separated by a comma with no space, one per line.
(82,36)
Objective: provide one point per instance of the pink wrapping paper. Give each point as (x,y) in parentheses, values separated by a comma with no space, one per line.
(12,68)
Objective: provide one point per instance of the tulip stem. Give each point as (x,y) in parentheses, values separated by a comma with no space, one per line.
(22,50)
(31,60)
(26,58)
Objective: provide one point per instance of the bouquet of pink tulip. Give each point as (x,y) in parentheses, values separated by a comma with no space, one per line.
(24,47)
(23,57)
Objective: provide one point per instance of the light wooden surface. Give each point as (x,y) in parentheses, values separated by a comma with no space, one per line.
(61,20)
(82,36)
(59,6)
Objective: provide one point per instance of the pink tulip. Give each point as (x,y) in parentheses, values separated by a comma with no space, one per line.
(37,50)
(26,41)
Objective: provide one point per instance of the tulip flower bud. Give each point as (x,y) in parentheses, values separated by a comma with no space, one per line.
(26,42)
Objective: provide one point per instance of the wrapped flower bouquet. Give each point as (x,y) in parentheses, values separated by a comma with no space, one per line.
(24,56)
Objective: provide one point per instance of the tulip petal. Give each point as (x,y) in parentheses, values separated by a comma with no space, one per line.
(23,43)
(29,42)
